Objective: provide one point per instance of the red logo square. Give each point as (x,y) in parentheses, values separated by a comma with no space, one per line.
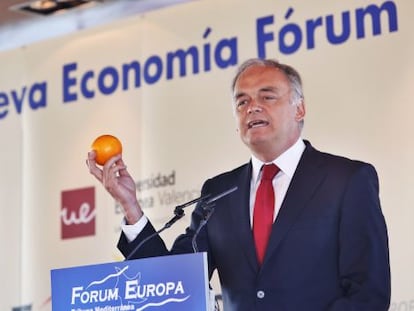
(77,215)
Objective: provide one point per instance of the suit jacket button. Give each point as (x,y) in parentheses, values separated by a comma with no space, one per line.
(260,294)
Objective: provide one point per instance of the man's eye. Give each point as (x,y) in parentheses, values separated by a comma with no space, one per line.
(269,98)
(241,103)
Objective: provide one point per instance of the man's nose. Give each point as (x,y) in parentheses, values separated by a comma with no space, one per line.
(254,106)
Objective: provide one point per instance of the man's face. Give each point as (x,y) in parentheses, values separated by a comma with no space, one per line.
(268,122)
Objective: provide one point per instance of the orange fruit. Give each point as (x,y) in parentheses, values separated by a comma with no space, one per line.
(106,146)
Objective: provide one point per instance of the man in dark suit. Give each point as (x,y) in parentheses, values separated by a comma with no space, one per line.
(328,245)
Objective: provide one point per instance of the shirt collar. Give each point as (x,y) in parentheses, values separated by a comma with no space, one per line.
(287,161)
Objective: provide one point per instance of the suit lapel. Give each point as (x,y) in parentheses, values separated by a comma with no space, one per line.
(306,180)
(243,225)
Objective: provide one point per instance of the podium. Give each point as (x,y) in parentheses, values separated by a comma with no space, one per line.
(166,283)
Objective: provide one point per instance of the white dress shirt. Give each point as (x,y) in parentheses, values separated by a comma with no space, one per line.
(287,163)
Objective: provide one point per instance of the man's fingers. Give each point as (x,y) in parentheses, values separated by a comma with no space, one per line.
(112,161)
(93,168)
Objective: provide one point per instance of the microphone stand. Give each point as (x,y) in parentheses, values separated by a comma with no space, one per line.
(208,210)
(178,214)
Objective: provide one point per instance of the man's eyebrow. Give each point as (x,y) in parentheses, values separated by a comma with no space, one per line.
(238,95)
(269,89)
(274,89)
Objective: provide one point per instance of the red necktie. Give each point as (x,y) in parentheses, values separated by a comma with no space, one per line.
(263,210)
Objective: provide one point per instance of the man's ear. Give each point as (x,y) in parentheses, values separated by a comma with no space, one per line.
(300,111)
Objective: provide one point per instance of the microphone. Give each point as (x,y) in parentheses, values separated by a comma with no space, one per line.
(220,195)
(178,214)
(208,209)
(179,210)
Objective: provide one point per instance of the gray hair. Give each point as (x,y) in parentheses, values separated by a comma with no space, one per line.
(290,72)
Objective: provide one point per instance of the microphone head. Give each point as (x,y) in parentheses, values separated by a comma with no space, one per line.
(179,211)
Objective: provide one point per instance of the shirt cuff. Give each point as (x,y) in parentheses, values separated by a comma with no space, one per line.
(132,231)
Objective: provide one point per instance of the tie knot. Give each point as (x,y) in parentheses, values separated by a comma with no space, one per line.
(269,171)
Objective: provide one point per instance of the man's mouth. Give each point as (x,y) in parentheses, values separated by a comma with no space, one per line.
(257,123)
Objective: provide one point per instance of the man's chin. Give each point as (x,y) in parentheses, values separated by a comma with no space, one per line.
(255,142)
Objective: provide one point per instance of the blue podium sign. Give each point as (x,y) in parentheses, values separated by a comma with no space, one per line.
(167,283)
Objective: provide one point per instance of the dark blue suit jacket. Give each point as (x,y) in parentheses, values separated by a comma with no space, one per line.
(328,248)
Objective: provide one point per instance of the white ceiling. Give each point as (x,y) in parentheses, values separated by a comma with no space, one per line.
(18,28)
